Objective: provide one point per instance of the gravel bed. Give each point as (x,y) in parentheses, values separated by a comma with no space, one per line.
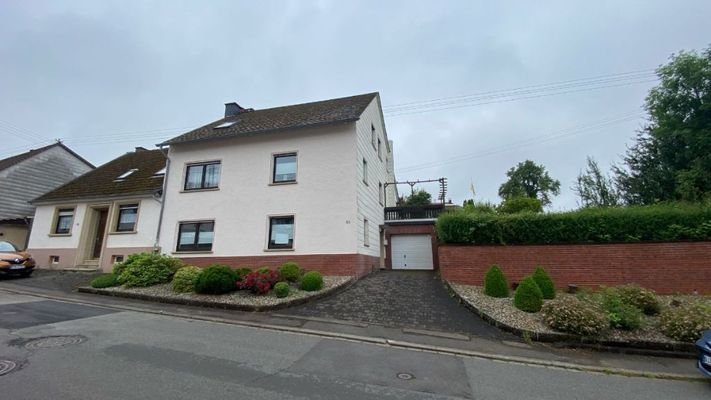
(242,297)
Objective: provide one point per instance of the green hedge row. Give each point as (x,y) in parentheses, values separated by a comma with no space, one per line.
(603,225)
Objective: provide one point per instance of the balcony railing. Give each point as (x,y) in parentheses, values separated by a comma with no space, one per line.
(405,213)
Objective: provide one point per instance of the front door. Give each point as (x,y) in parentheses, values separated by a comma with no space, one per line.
(103,215)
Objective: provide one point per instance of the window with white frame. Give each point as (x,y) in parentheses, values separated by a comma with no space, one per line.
(202,176)
(127,216)
(195,236)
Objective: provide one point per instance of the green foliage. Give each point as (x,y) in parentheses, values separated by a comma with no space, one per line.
(417,198)
(544,282)
(104,281)
(596,189)
(185,278)
(281,289)
(620,314)
(242,272)
(644,299)
(671,159)
(663,222)
(290,271)
(687,322)
(528,179)
(471,206)
(216,279)
(516,205)
(495,284)
(263,270)
(146,269)
(528,296)
(312,281)
(570,315)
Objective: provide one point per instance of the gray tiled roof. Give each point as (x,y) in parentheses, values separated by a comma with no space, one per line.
(250,122)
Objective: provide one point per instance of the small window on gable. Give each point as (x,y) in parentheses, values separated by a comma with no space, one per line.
(380,150)
(372,135)
(225,124)
(365,171)
(380,193)
(125,175)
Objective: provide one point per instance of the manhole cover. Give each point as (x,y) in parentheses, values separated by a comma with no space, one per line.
(6,366)
(54,341)
(405,376)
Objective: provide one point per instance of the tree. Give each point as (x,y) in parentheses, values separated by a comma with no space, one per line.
(671,159)
(417,198)
(515,205)
(596,189)
(528,179)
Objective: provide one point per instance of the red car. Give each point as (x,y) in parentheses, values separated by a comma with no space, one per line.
(15,262)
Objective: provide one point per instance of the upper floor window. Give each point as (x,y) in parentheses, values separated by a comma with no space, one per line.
(202,176)
(380,193)
(380,149)
(281,232)
(372,135)
(65,217)
(366,232)
(195,236)
(365,171)
(284,168)
(127,216)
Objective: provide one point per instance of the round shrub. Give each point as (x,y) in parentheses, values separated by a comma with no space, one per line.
(571,315)
(185,278)
(644,299)
(104,281)
(687,322)
(281,289)
(290,271)
(621,315)
(242,272)
(544,282)
(495,284)
(146,269)
(216,279)
(263,269)
(528,296)
(312,281)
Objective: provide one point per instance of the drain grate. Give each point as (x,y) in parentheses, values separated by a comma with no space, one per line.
(54,341)
(6,366)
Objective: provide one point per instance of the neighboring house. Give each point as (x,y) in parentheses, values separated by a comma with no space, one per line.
(303,182)
(102,216)
(28,175)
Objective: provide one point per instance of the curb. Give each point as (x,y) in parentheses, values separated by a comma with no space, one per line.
(643,348)
(390,343)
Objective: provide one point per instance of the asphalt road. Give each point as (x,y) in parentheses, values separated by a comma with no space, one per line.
(95,353)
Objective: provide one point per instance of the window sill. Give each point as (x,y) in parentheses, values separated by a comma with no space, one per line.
(192,252)
(277,250)
(59,234)
(123,232)
(283,183)
(199,190)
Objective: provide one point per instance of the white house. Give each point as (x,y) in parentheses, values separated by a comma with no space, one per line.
(302,182)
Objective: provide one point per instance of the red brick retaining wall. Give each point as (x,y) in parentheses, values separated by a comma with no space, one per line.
(328,264)
(681,267)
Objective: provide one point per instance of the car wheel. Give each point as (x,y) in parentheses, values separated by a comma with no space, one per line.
(26,274)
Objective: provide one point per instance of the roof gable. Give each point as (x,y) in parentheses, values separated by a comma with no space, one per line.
(16,159)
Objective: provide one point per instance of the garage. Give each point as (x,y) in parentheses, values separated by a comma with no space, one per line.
(411,251)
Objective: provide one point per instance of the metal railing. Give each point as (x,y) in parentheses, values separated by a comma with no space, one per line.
(404,213)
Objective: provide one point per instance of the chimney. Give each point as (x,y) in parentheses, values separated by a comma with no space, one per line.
(232,109)
(139,148)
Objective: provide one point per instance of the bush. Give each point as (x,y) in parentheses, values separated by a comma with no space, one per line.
(495,284)
(290,272)
(281,289)
(644,299)
(263,269)
(104,281)
(216,279)
(242,272)
(146,269)
(620,314)
(571,315)
(664,222)
(312,281)
(544,282)
(259,282)
(687,322)
(528,296)
(517,205)
(184,280)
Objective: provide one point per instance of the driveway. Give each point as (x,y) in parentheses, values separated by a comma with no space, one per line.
(403,299)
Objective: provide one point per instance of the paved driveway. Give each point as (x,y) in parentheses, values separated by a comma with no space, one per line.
(407,299)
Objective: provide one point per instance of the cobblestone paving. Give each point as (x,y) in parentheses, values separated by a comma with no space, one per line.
(403,299)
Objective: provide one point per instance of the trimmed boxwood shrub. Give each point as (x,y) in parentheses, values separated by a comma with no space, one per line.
(544,282)
(290,272)
(242,272)
(644,299)
(216,279)
(312,281)
(281,289)
(146,269)
(528,296)
(495,284)
(570,315)
(621,315)
(184,280)
(665,222)
(687,322)
(104,281)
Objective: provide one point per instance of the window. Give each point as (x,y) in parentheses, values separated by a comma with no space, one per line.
(54,259)
(380,150)
(195,236)
(380,193)
(160,174)
(202,176)
(366,233)
(65,217)
(284,168)
(225,124)
(125,175)
(127,215)
(115,259)
(365,171)
(281,232)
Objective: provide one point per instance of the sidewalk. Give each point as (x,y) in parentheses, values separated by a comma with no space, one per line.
(425,340)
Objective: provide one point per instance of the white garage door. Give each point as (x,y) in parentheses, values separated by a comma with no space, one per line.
(411,251)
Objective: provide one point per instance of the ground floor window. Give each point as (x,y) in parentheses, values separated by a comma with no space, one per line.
(281,232)
(127,216)
(195,236)
(65,216)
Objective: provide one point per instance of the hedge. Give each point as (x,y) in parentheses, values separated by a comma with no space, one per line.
(669,222)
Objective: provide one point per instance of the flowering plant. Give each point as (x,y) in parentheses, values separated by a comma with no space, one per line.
(259,282)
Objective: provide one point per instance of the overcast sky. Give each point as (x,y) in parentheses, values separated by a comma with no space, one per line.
(109,76)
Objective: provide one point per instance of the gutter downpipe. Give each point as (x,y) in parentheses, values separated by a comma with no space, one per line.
(161,147)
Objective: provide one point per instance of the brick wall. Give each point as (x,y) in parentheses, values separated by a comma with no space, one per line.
(328,264)
(682,267)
